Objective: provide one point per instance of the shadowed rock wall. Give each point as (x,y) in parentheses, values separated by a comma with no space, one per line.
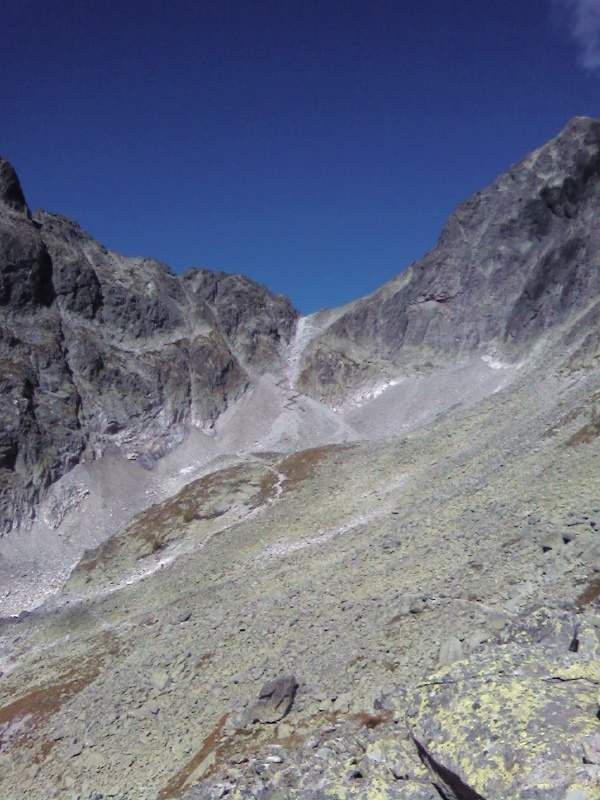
(97,349)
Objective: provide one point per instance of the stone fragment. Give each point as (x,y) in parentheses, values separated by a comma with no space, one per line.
(284,730)
(160,679)
(451,650)
(275,699)
(578,794)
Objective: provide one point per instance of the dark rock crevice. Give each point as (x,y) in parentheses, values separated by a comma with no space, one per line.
(450,786)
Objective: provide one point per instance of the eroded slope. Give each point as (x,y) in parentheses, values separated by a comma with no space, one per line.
(353,567)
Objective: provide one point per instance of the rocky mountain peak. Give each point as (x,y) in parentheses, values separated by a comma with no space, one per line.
(513,261)
(11,193)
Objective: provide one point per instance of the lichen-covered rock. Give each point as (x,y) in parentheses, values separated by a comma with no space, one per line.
(519,720)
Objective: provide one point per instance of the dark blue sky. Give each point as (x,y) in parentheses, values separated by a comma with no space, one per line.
(315,146)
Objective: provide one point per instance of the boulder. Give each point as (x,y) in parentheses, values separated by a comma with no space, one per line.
(518,721)
(275,700)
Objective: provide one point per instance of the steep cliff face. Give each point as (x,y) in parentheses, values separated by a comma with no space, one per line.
(512,261)
(40,430)
(98,349)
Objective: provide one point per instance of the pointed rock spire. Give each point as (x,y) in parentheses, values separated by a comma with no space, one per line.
(11,194)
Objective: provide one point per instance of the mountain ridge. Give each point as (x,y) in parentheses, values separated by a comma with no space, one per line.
(78,384)
(533,253)
(511,261)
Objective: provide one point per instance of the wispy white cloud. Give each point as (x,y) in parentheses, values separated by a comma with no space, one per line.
(583,18)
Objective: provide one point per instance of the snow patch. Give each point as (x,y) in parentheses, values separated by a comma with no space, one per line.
(187,470)
(493,363)
(370,393)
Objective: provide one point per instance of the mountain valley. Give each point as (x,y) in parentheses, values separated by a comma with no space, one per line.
(250,554)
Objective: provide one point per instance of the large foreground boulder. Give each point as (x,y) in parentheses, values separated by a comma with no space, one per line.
(518,721)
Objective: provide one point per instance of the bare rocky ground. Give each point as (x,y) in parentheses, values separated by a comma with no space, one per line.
(97,498)
(359,566)
(353,555)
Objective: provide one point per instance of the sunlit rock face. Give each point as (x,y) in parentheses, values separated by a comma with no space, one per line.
(512,262)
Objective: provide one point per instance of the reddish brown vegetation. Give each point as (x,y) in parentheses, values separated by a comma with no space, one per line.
(586,434)
(300,466)
(27,711)
(372,720)
(176,785)
(590,593)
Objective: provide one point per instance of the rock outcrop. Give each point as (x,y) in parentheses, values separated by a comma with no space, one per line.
(519,720)
(101,350)
(512,261)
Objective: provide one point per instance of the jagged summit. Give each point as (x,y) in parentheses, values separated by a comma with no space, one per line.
(11,193)
(512,261)
(579,126)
